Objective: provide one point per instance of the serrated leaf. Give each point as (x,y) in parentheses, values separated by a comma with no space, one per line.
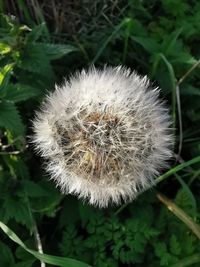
(34,190)
(192,225)
(36,32)
(47,204)
(160,249)
(10,118)
(185,198)
(16,208)
(34,59)
(175,247)
(56,51)
(20,92)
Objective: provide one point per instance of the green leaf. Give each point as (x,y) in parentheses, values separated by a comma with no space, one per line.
(175,247)
(37,32)
(162,253)
(20,92)
(191,224)
(34,190)
(188,261)
(53,260)
(149,44)
(172,79)
(56,51)
(4,48)
(184,58)
(16,208)
(170,42)
(185,198)
(114,33)
(4,73)
(47,204)
(10,118)
(35,60)
(6,258)
(27,263)
(189,90)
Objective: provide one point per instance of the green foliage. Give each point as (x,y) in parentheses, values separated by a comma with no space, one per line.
(10,118)
(157,38)
(131,238)
(6,255)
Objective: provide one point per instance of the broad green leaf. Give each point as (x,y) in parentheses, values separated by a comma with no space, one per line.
(149,44)
(36,32)
(16,208)
(35,60)
(184,58)
(53,260)
(170,43)
(10,118)
(56,51)
(4,71)
(20,92)
(34,190)
(4,48)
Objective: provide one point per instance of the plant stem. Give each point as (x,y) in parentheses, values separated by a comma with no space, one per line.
(184,217)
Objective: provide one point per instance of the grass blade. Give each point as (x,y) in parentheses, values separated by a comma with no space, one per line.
(103,46)
(53,260)
(173,85)
(177,168)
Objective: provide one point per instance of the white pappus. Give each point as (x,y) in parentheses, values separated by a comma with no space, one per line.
(104,135)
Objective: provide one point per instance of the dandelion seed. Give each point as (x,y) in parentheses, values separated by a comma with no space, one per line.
(104,134)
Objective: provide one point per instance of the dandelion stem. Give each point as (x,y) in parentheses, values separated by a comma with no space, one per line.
(121,208)
(38,241)
(34,225)
(195,228)
(188,261)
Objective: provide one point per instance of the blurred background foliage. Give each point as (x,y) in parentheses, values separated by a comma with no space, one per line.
(41,42)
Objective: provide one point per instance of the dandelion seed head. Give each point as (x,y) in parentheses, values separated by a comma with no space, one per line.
(104,135)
